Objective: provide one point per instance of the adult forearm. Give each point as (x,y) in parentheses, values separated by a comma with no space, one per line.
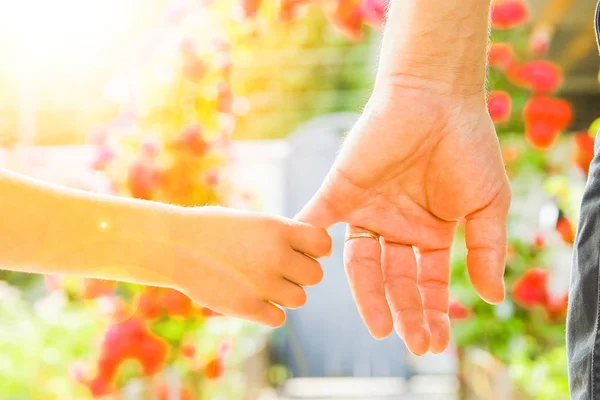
(437,44)
(49,229)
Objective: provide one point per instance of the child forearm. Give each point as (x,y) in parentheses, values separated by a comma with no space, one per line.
(49,229)
(234,262)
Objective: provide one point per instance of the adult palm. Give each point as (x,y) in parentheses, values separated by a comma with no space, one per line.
(414,164)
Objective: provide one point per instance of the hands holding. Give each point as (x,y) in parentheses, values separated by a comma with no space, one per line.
(423,155)
(415,163)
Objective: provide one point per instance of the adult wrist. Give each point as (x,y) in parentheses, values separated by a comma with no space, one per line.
(436,45)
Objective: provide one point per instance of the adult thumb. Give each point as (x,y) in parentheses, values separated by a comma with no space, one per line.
(319,211)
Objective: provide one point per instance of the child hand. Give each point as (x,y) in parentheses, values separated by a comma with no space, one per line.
(240,263)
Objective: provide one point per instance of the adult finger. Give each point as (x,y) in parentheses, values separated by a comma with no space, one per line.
(362,260)
(486,245)
(434,280)
(320,210)
(400,275)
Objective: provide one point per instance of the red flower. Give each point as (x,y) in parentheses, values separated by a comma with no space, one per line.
(208,313)
(509,14)
(347,17)
(373,11)
(153,302)
(565,228)
(149,306)
(99,387)
(499,105)
(584,151)
(176,303)
(130,340)
(191,140)
(143,180)
(251,7)
(502,56)
(94,288)
(556,307)
(214,369)
(188,350)
(540,76)
(541,135)
(531,289)
(151,352)
(457,311)
(289,9)
(544,119)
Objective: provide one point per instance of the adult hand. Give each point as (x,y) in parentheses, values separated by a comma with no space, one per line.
(415,163)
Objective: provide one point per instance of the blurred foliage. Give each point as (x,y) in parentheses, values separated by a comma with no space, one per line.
(205,73)
(547,170)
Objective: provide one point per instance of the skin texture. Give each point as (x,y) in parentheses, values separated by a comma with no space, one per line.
(236,263)
(423,155)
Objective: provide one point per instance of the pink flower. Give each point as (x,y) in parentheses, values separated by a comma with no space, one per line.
(457,311)
(212,178)
(540,42)
(103,157)
(373,11)
(98,136)
(177,10)
(78,371)
(539,240)
(509,14)
(53,282)
(499,105)
(151,147)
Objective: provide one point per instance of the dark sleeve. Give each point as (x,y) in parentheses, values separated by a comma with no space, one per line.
(597,24)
